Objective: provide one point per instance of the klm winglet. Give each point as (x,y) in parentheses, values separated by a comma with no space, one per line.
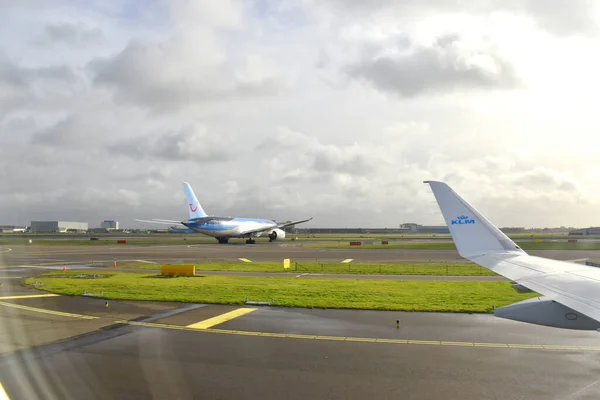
(472,233)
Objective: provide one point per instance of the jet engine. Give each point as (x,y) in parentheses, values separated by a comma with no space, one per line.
(276,234)
(544,311)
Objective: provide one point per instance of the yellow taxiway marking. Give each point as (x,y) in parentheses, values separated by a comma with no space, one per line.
(6,250)
(244,260)
(368,340)
(347,260)
(41,310)
(3,394)
(219,319)
(28,296)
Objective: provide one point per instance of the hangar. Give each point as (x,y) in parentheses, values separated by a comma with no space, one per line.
(58,226)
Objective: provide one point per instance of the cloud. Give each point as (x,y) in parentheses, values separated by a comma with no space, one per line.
(555,16)
(71,34)
(316,159)
(443,66)
(75,131)
(192,143)
(270,110)
(155,77)
(20,84)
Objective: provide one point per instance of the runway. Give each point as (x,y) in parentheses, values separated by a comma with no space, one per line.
(42,254)
(64,347)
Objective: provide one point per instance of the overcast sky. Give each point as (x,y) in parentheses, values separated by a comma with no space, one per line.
(336,109)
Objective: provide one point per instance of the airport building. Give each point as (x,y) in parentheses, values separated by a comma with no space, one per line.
(594,230)
(408,228)
(58,226)
(411,227)
(110,225)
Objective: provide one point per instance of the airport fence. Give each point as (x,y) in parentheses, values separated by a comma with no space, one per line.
(449,269)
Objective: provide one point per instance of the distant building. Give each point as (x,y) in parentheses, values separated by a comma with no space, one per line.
(595,230)
(58,226)
(110,225)
(411,227)
(517,229)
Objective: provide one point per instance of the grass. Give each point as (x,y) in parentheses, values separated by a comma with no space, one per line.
(327,268)
(544,245)
(318,293)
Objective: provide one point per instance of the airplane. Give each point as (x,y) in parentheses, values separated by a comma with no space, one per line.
(225,228)
(570,292)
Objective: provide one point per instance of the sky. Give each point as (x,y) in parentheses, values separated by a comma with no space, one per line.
(335,109)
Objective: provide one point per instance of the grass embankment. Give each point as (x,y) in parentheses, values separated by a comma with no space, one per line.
(319,293)
(544,245)
(350,268)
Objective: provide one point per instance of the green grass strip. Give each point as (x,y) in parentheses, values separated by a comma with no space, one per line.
(319,293)
(338,268)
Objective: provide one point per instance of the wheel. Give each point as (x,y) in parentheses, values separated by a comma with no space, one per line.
(223,240)
(250,241)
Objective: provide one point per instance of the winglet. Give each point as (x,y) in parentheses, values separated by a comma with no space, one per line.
(472,233)
(194,207)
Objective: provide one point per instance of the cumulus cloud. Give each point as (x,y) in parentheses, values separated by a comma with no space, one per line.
(192,143)
(155,76)
(443,66)
(555,16)
(272,108)
(20,84)
(317,158)
(70,34)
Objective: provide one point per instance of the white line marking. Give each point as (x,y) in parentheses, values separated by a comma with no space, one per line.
(3,394)
(581,391)
(146,262)
(301,275)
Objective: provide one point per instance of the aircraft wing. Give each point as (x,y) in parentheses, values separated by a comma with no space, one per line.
(258,230)
(160,221)
(293,223)
(478,240)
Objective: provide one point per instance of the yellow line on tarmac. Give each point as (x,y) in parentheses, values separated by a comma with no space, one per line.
(368,340)
(29,296)
(3,394)
(244,260)
(41,310)
(219,319)
(347,260)
(6,250)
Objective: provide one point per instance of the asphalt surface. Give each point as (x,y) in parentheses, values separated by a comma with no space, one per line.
(139,362)
(57,254)
(96,352)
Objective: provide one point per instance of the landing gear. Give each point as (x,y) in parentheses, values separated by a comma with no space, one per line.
(250,241)
(223,240)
